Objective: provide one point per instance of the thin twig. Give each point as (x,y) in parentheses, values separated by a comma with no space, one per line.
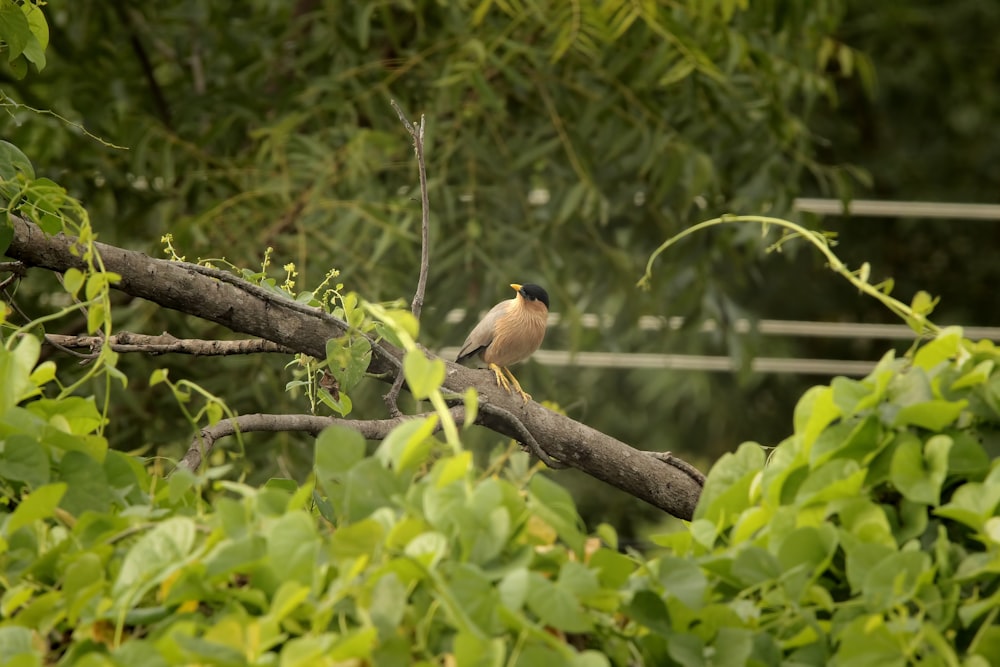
(417,132)
(371,429)
(165,344)
(523,434)
(685,467)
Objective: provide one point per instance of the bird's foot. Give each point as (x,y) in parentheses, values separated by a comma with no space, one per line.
(517,387)
(503,383)
(501,380)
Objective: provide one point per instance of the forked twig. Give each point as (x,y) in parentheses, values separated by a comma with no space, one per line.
(417,132)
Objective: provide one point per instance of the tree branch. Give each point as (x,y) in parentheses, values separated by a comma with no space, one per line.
(225,299)
(16,271)
(166,344)
(371,429)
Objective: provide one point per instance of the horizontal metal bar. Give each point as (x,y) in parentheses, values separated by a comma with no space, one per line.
(899,209)
(803,328)
(692,362)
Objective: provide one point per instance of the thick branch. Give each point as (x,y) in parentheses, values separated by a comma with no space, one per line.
(224,299)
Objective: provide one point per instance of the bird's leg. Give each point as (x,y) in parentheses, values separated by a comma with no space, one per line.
(501,380)
(517,386)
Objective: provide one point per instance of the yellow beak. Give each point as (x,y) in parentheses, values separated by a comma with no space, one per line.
(515,287)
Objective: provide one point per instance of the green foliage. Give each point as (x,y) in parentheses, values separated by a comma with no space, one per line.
(869,535)
(404,556)
(24,35)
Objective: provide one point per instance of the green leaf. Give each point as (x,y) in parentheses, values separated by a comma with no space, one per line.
(513,588)
(814,412)
(683,580)
(363,538)
(233,556)
(853,439)
(96,316)
(388,604)
(203,651)
(649,609)
(352,646)
(476,651)
(977,376)
(292,549)
(869,644)
(754,565)
(16,641)
(14,29)
(895,579)
(972,504)
(161,550)
(336,451)
(368,487)
(12,163)
(407,446)
(75,414)
(919,471)
(553,504)
(471,401)
(943,348)
(34,50)
(475,598)
(727,489)
(39,504)
(423,375)
(88,484)
(810,548)
(835,479)
(287,599)
(555,606)
(866,521)
(732,647)
(24,459)
(849,394)
(15,372)
(358,363)
(404,320)
(933,415)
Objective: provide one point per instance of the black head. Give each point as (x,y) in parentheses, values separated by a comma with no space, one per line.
(533,292)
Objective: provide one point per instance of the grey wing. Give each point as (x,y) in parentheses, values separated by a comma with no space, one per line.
(482,334)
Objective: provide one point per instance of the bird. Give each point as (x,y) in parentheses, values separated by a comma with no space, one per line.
(509,333)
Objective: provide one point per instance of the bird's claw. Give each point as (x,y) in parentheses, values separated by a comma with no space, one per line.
(506,386)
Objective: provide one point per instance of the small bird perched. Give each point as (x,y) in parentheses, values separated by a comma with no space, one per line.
(510,332)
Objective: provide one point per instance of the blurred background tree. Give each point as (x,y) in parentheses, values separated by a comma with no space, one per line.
(566,141)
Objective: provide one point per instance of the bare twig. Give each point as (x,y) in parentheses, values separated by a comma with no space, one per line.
(417,132)
(523,435)
(165,344)
(371,429)
(682,465)
(16,270)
